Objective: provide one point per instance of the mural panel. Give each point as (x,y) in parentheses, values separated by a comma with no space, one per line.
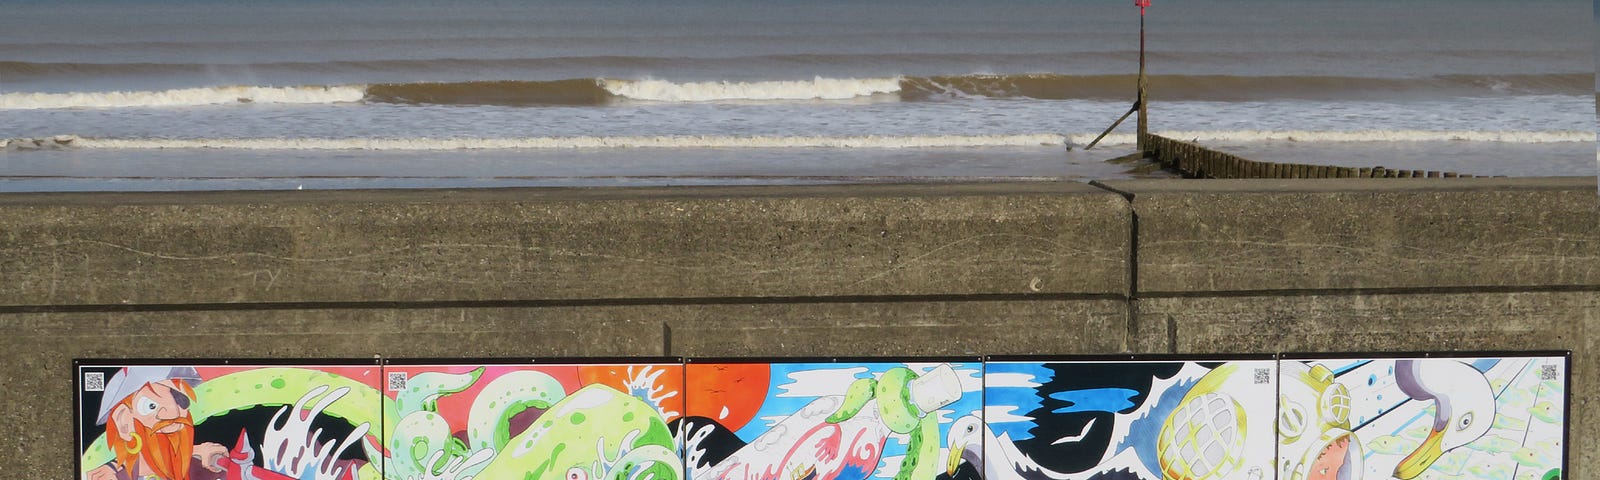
(183,421)
(833,420)
(534,421)
(1129,419)
(1468,418)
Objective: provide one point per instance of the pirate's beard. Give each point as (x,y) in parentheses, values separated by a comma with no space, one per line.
(165,454)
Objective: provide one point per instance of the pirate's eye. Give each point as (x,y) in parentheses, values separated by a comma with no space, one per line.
(576,473)
(144,405)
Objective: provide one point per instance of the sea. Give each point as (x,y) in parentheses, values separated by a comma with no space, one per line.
(121,95)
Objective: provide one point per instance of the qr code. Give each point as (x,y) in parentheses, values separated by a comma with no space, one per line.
(1263,376)
(94,381)
(1547,372)
(397,381)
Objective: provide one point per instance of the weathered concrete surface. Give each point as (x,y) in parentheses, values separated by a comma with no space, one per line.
(1395,323)
(903,329)
(524,244)
(1255,235)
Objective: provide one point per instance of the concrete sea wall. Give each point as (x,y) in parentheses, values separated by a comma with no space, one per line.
(1140,266)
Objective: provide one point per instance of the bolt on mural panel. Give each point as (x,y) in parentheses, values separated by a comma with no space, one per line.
(1500,417)
(1121,418)
(458,421)
(195,421)
(833,420)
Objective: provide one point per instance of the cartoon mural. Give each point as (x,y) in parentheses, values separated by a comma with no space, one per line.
(183,422)
(1307,417)
(1470,418)
(827,421)
(534,421)
(1119,419)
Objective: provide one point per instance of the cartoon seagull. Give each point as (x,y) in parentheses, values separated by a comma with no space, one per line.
(996,457)
(1464,408)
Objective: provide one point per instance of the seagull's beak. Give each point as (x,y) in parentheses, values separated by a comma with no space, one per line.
(1419,461)
(954,462)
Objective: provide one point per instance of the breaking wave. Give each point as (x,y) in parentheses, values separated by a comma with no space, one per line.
(186,97)
(779,142)
(590,91)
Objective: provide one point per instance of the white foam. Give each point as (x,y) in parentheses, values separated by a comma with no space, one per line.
(816,89)
(435,144)
(184,97)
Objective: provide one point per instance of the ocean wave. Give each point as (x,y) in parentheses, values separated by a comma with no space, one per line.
(186,97)
(1001,86)
(780,142)
(816,89)
(601,91)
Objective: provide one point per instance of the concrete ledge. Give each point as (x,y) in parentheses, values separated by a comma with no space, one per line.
(1395,323)
(539,244)
(1263,235)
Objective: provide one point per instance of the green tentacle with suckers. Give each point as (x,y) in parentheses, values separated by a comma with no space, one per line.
(857,396)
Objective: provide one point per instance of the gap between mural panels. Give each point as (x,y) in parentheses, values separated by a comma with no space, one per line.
(1293,417)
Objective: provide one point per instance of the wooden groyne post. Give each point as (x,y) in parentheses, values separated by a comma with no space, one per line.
(1141,103)
(1195,161)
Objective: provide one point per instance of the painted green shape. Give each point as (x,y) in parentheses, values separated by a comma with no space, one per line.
(369,471)
(1553,474)
(894,400)
(650,461)
(555,445)
(1494,444)
(423,390)
(855,398)
(489,421)
(1420,430)
(1507,422)
(922,451)
(1528,457)
(416,437)
(278,386)
(1390,444)
(1546,412)
(1491,471)
(1451,464)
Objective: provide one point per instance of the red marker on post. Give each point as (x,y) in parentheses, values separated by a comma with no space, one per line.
(1141,4)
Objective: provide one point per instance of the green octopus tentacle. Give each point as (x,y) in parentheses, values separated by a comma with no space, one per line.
(423,390)
(894,400)
(921,451)
(654,462)
(416,437)
(857,396)
(488,426)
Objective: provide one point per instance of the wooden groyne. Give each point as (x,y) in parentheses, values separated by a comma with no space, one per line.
(1194,161)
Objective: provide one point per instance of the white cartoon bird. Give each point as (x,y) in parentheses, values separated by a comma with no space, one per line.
(1464,408)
